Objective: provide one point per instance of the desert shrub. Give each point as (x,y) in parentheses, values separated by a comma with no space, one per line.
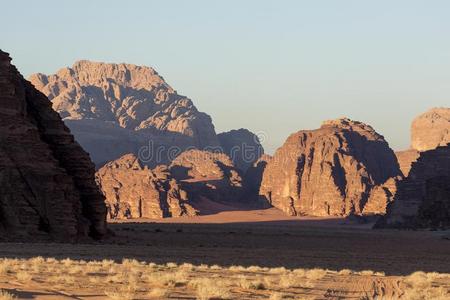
(208,289)
(280,270)
(316,274)
(24,276)
(4,295)
(276,296)
(158,293)
(345,272)
(251,284)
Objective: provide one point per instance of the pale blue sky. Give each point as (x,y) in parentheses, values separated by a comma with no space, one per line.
(270,66)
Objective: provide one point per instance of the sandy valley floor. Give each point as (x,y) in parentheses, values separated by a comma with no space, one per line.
(246,255)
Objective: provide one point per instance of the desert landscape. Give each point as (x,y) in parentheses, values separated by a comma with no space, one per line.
(114,185)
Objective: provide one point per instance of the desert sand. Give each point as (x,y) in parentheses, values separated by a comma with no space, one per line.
(242,254)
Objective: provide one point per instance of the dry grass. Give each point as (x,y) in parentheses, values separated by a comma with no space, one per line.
(132,279)
(4,295)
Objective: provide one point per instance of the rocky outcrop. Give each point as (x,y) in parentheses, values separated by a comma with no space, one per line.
(431,129)
(114,109)
(208,175)
(329,171)
(406,158)
(242,146)
(47,186)
(134,191)
(423,198)
(253,178)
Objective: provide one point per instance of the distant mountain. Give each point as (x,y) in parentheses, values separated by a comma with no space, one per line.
(114,109)
(428,131)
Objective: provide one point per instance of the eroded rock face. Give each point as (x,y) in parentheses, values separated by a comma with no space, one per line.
(208,175)
(329,171)
(134,191)
(423,198)
(114,109)
(253,178)
(47,186)
(431,129)
(406,158)
(242,146)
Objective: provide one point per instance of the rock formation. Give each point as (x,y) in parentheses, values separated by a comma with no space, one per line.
(114,109)
(329,171)
(406,158)
(242,146)
(423,198)
(208,175)
(431,129)
(47,186)
(134,191)
(253,178)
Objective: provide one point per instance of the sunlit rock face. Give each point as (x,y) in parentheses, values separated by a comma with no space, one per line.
(423,198)
(330,171)
(47,186)
(431,129)
(132,190)
(114,109)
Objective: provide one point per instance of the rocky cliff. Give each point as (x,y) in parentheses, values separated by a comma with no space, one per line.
(242,146)
(329,171)
(423,198)
(431,129)
(406,158)
(134,191)
(114,109)
(47,186)
(208,176)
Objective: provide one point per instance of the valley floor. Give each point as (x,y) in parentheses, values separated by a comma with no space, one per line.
(245,255)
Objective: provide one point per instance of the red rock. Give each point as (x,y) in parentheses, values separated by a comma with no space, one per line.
(328,171)
(134,191)
(423,198)
(47,186)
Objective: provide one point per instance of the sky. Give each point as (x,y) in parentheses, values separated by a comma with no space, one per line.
(274,67)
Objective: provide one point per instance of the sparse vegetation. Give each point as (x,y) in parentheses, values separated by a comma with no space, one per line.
(132,279)
(4,295)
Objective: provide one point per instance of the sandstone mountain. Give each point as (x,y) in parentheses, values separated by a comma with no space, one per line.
(47,186)
(406,158)
(114,109)
(423,198)
(428,131)
(242,146)
(208,176)
(134,191)
(431,129)
(329,171)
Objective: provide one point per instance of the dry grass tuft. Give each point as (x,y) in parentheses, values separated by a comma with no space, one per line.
(316,274)
(210,289)
(24,276)
(158,293)
(4,295)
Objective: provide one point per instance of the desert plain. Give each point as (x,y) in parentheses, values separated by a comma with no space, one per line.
(258,254)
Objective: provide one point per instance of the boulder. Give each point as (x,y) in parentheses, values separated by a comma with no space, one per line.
(423,198)
(47,185)
(328,171)
(242,146)
(115,109)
